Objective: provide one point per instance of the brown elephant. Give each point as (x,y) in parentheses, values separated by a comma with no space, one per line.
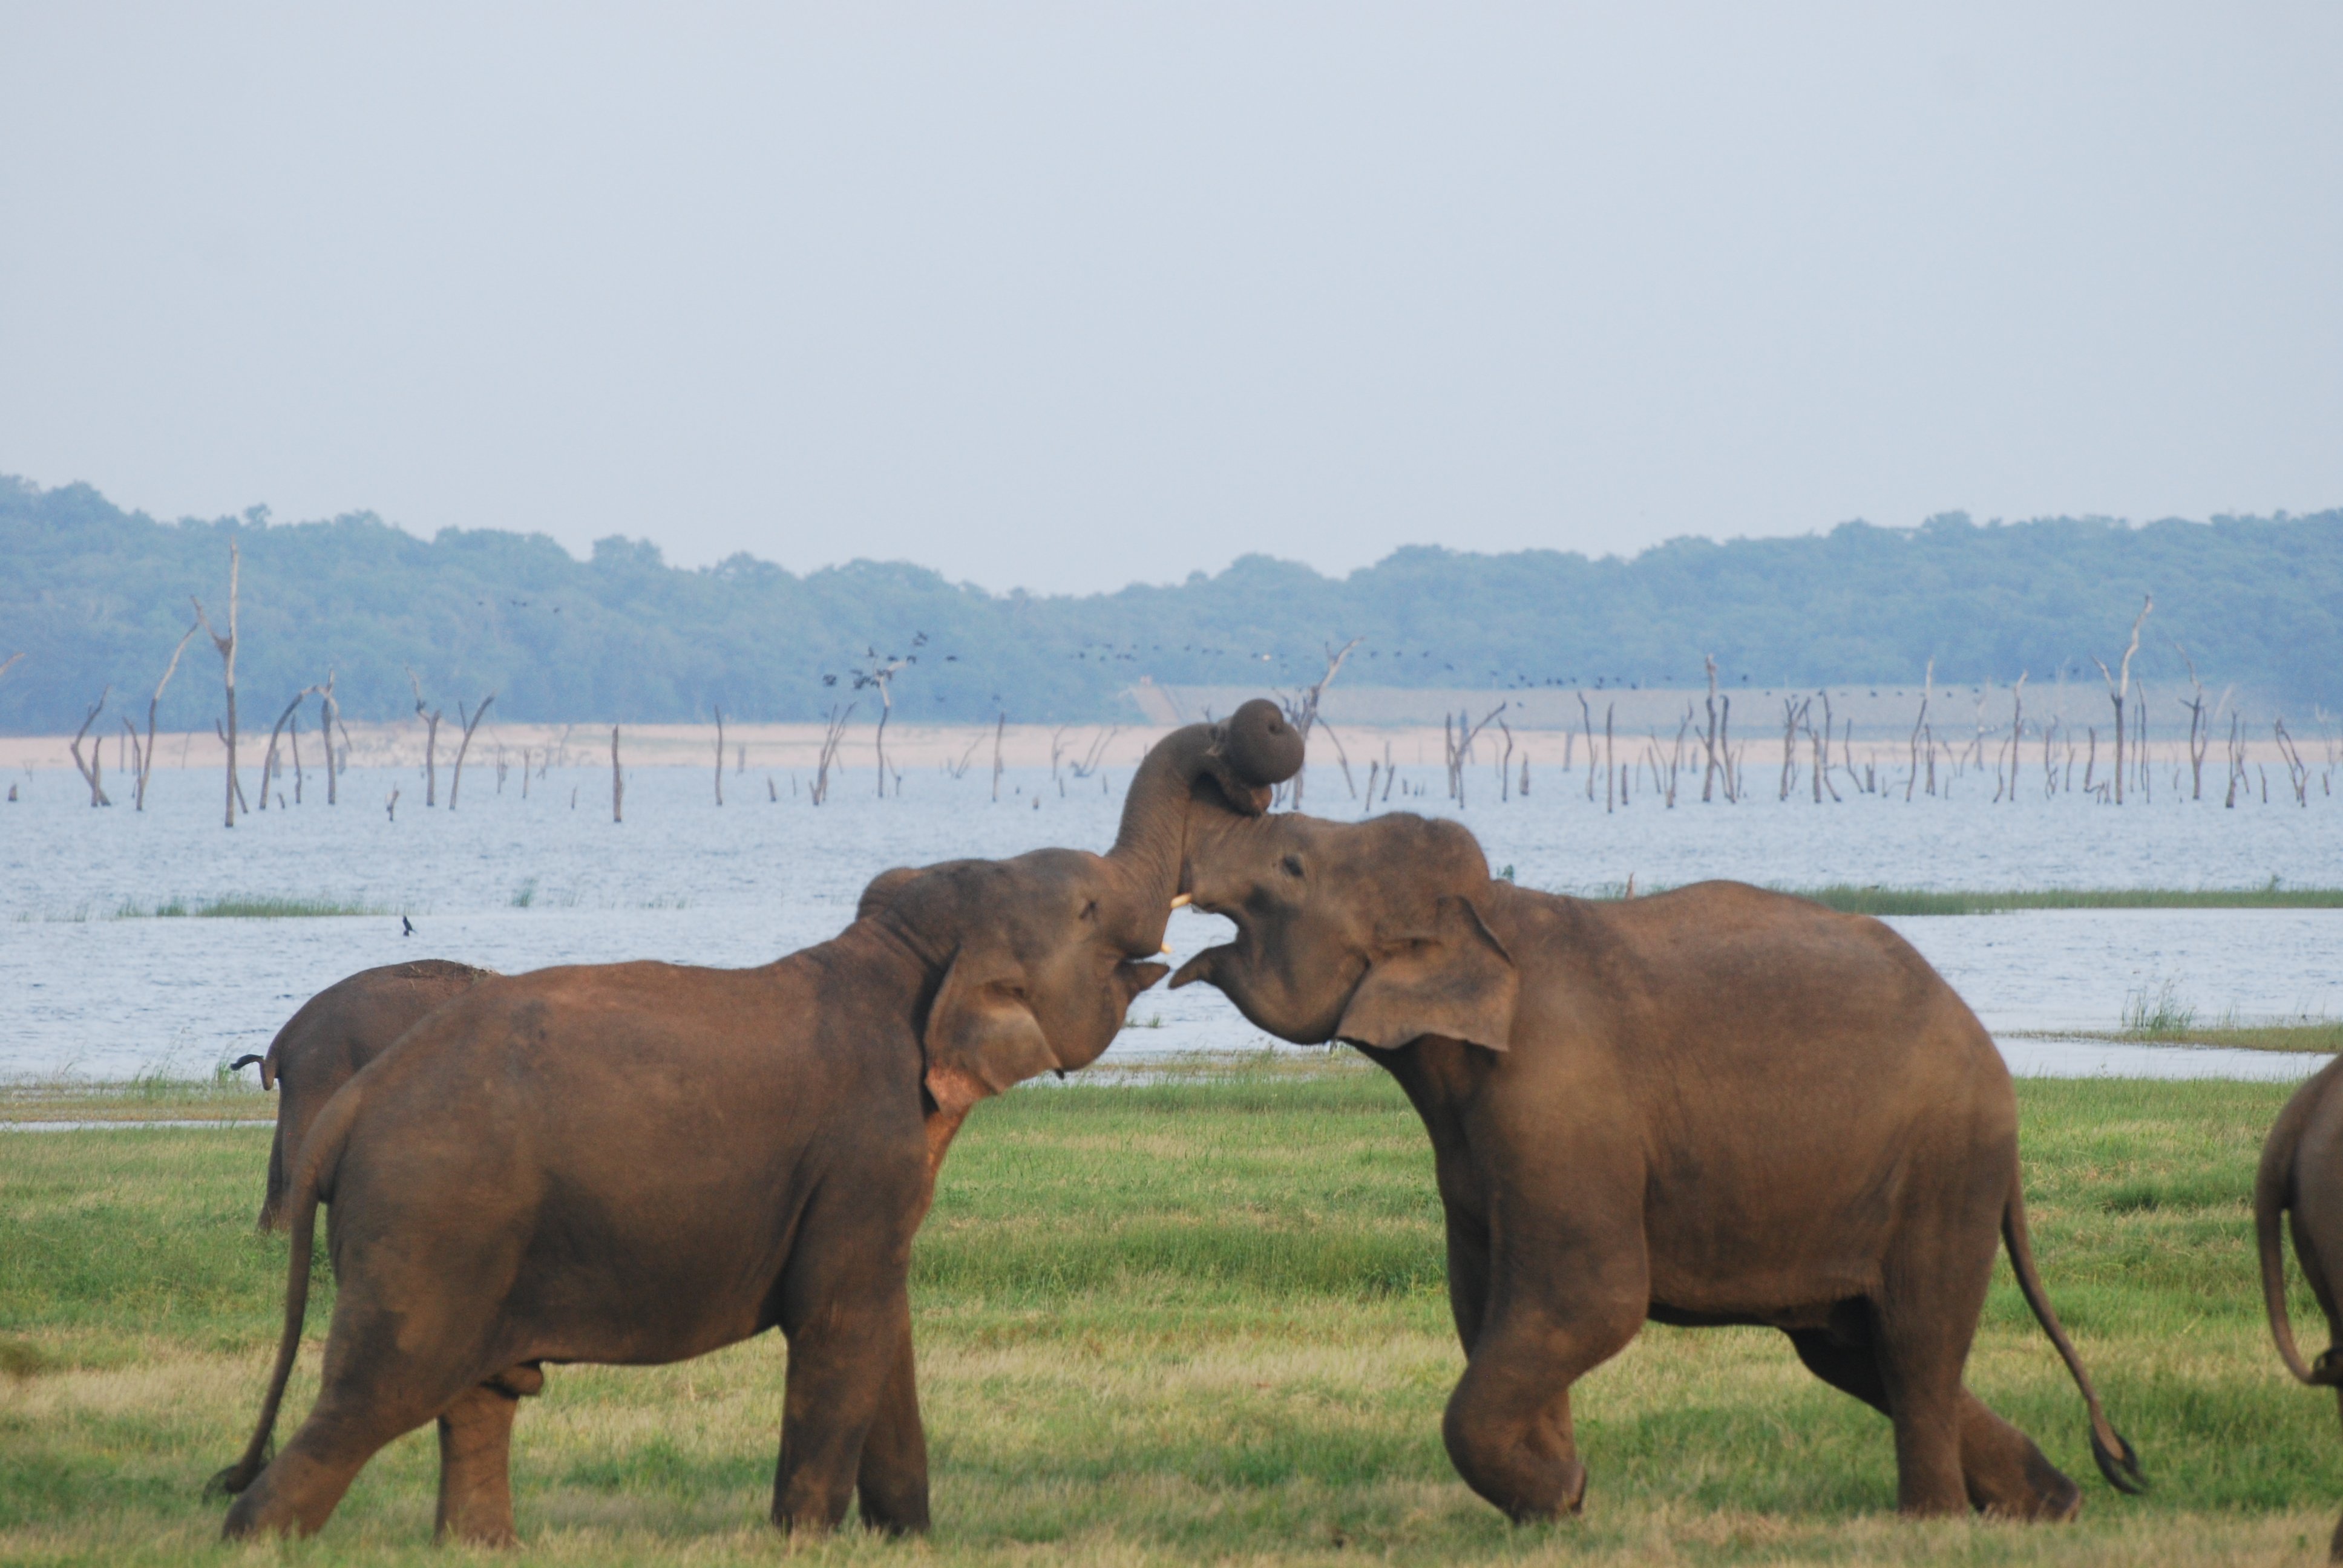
(638,1163)
(1718,1105)
(335,1033)
(2300,1187)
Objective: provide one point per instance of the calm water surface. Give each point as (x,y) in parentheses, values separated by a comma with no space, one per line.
(518,883)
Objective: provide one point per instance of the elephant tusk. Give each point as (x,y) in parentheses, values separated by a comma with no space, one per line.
(1180,902)
(1164,950)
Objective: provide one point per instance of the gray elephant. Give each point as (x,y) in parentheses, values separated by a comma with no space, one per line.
(1718,1105)
(334,1034)
(638,1163)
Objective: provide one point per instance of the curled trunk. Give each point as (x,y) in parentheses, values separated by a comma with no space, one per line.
(1218,770)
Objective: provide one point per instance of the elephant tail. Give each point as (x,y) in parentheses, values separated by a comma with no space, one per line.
(320,1152)
(2273,1196)
(2117,1460)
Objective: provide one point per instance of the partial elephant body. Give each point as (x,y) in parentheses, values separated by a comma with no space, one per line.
(334,1034)
(2299,1188)
(1719,1105)
(638,1163)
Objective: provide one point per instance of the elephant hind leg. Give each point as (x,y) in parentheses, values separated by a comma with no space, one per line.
(2002,1471)
(300,1488)
(476,1465)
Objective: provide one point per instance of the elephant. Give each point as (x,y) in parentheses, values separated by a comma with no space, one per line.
(2300,1184)
(638,1163)
(335,1033)
(1719,1105)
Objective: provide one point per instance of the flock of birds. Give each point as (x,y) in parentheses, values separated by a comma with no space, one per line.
(877,671)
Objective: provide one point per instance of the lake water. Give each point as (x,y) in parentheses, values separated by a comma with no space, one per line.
(517,883)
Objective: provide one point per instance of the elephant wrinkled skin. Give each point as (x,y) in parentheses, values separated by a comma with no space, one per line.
(1718,1105)
(638,1163)
(334,1034)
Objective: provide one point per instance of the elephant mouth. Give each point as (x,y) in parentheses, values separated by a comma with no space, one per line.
(1215,962)
(1137,974)
(1200,968)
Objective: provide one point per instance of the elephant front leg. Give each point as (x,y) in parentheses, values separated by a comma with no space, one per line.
(840,1366)
(892,1482)
(1468,1272)
(476,1466)
(1508,1425)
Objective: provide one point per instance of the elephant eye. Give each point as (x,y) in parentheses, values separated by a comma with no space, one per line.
(1089,910)
(1293,865)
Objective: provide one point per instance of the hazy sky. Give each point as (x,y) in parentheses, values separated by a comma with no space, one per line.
(1064,297)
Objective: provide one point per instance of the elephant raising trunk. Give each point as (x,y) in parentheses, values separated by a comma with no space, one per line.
(1229,766)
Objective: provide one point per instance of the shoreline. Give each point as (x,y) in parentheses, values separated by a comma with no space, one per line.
(1086,746)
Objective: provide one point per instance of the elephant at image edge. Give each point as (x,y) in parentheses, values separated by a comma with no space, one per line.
(335,1033)
(1718,1105)
(638,1163)
(2300,1188)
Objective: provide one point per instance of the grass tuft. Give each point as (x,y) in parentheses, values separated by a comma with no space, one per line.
(2160,1016)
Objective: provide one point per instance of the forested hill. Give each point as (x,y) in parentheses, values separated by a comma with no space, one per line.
(96,597)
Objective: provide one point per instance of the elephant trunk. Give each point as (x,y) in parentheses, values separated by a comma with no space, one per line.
(1223,769)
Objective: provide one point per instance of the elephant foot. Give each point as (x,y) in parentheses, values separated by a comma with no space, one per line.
(2006,1476)
(2334,1547)
(1565,1500)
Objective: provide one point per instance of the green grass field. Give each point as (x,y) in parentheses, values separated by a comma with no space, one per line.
(1195,1320)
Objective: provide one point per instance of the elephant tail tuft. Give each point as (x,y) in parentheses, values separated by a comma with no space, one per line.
(2116,1457)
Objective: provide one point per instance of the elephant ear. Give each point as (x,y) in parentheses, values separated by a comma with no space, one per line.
(1449,977)
(982,1037)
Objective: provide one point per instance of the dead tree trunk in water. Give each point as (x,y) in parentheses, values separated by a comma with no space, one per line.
(1792,710)
(430,742)
(2119,689)
(1927,690)
(227,646)
(1708,773)
(147,757)
(2199,729)
(472,723)
(618,781)
(1610,758)
(2297,772)
(1586,716)
(2016,729)
(268,757)
(327,714)
(833,732)
(999,727)
(92,770)
(720,756)
(1302,712)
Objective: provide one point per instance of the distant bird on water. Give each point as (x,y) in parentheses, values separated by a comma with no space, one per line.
(405,927)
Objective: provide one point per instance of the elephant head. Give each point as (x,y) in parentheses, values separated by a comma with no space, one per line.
(1375,932)
(1039,956)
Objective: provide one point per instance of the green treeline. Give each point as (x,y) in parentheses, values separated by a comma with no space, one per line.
(96,597)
